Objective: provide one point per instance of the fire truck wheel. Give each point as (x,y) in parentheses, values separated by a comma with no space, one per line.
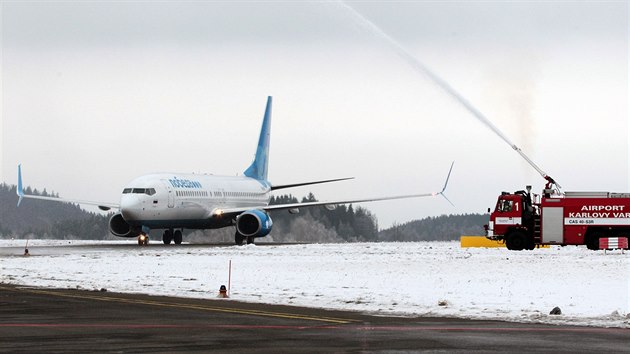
(516,241)
(592,243)
(592,240)
(530,245)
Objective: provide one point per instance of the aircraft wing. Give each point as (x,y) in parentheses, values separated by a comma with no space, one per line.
(20,192)
(332,204)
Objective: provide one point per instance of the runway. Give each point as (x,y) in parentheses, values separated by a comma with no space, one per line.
(53,320)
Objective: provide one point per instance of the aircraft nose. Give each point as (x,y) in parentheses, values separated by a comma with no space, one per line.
(130,207)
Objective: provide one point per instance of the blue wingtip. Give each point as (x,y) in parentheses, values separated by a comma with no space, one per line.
(20,191)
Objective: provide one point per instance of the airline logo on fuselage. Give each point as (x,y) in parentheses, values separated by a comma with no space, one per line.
(184,183)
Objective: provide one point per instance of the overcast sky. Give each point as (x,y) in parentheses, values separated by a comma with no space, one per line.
(95,94)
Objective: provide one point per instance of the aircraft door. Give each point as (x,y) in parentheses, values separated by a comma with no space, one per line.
(221,196)
(171,193)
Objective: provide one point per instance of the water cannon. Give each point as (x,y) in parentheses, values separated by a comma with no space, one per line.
(551,187)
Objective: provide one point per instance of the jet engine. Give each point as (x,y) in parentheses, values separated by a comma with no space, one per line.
(119,227)
(254,223)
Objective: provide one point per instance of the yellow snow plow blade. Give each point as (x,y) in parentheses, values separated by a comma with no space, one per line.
(482,241)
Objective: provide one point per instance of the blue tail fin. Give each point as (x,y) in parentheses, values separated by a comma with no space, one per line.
(258,168)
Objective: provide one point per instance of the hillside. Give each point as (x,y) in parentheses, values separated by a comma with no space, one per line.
(439,228)
(46,219)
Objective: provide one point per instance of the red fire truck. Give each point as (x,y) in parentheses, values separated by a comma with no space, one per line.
(524,220)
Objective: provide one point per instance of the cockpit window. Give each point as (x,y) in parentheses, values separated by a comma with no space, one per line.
(147,191)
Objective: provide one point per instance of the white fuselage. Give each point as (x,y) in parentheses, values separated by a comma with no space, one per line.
(188,200)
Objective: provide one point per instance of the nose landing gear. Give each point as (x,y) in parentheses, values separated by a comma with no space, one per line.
(143,240)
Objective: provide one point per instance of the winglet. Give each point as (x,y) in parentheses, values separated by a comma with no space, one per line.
(20,191)
(446,183)
(258,169)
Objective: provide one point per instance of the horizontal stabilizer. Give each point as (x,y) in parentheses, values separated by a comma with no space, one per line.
(308,183)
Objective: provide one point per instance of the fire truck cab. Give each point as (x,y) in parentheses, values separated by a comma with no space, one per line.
(515,220)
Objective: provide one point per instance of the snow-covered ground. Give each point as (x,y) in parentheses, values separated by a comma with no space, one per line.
(406,279)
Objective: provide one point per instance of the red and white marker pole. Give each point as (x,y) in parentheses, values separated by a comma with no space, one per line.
(229,277)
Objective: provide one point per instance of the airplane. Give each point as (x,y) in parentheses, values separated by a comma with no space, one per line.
(176,201)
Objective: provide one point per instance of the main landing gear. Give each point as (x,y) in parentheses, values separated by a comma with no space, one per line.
(170,235)
(238,239)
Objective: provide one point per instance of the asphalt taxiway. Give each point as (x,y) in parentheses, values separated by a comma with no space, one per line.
(61,320)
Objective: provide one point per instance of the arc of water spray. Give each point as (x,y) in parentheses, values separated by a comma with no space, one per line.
(421,68)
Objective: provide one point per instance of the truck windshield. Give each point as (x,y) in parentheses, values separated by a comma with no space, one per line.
(505,206)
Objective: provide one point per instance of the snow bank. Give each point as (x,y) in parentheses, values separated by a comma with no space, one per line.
(405,279)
